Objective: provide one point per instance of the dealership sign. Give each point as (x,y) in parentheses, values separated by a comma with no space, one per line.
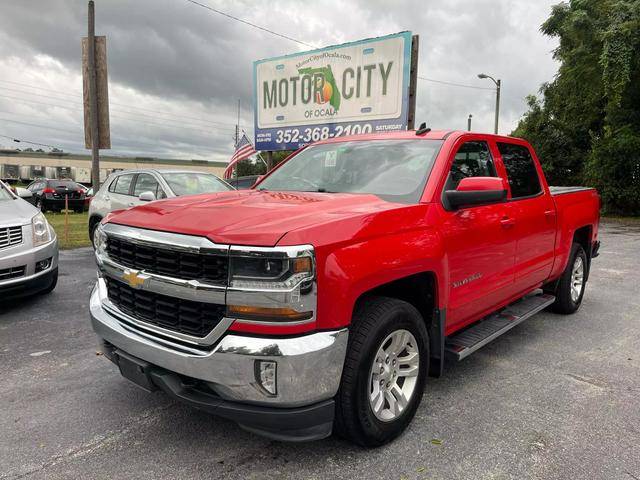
(358,87)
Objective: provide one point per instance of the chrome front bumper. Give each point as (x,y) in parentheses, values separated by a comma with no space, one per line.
(26,255)
(309,367)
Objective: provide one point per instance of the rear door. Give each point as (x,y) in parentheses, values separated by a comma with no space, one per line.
(480,242)
(535,215)
(120,191)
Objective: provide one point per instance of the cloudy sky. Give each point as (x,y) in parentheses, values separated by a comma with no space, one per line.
(177,70)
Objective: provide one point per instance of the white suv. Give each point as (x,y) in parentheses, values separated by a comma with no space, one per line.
(129,188)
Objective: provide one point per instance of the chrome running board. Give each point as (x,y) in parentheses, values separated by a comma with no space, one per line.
(467,341)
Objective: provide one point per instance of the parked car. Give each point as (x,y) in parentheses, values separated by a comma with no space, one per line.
(244,183)
(128,188)
(325,297)
(28,247)
(49,194)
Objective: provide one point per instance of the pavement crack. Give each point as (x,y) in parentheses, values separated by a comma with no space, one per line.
(588,381)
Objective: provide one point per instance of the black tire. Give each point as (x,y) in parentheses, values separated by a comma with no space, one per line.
(39,204)
(374,320)
(93,224)
(564,303)
(54,282)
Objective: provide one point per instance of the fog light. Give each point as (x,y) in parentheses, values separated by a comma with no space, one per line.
(266,376)
(43,265)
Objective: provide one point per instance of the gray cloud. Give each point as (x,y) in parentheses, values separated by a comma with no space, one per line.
(175,57)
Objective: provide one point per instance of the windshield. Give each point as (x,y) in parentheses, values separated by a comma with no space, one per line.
(187,183)
(395,170)
(4,193)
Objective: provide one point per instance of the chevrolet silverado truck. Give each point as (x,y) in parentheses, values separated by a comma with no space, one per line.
(322,299)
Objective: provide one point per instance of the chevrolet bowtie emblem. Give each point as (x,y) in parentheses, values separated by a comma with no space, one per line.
(134,278)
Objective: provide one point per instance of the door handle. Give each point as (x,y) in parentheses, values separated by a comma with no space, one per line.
(131,204)
(507,222)
(107,197)
(550,213)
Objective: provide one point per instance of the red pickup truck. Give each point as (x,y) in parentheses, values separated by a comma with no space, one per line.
(323,299)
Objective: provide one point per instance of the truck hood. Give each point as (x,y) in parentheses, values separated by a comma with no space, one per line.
(248,217)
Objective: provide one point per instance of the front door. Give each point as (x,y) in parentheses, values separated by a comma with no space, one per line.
(479,241)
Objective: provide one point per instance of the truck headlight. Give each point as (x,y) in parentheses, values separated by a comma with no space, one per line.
(41,230)
(272,285)
(272,270)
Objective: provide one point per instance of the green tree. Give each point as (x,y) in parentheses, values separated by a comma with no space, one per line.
(586,124)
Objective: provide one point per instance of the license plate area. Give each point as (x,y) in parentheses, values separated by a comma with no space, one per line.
(135,370)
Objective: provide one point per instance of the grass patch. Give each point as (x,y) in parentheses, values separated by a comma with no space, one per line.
(78,234)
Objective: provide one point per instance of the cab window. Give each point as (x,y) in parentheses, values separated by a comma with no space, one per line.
(473,159)
(521,170)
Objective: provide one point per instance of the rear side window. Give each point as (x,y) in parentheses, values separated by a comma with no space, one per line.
(121,184)
(473,159)
(521,170)
(146,183)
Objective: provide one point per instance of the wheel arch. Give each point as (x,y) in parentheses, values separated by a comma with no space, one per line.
(583,236)
(421,291)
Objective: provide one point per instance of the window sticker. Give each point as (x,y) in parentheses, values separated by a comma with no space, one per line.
(330,158)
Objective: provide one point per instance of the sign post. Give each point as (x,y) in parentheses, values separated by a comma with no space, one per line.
(95,96)
(366,86)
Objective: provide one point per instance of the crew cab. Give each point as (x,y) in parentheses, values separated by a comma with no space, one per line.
(322,299)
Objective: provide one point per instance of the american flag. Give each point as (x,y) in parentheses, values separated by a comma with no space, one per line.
(244,149)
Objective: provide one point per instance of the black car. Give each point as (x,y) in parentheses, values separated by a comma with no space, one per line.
(50,195)
(243,183)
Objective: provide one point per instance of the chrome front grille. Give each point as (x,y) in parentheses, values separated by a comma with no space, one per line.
(166,284)
(211,268)
(10,236)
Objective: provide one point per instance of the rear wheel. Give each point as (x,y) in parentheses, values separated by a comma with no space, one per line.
(570,289)
(384,373)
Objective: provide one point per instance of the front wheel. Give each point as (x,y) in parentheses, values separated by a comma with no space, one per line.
(384,373)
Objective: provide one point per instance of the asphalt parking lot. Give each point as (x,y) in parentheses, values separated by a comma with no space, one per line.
(557,397)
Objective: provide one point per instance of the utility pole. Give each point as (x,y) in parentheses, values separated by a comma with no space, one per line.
(469,123)
(413,82)
(498,85)
(237,138)
(93,100)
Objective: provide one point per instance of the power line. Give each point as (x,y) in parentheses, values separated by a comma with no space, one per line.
(251,24)
(19,140)
(112,103)
(454,84)
(119,115)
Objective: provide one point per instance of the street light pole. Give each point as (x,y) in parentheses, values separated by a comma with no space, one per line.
(498,85)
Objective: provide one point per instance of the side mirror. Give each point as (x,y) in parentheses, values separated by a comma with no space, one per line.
(24,193)
(147,196)
(258,180)
(476,191)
